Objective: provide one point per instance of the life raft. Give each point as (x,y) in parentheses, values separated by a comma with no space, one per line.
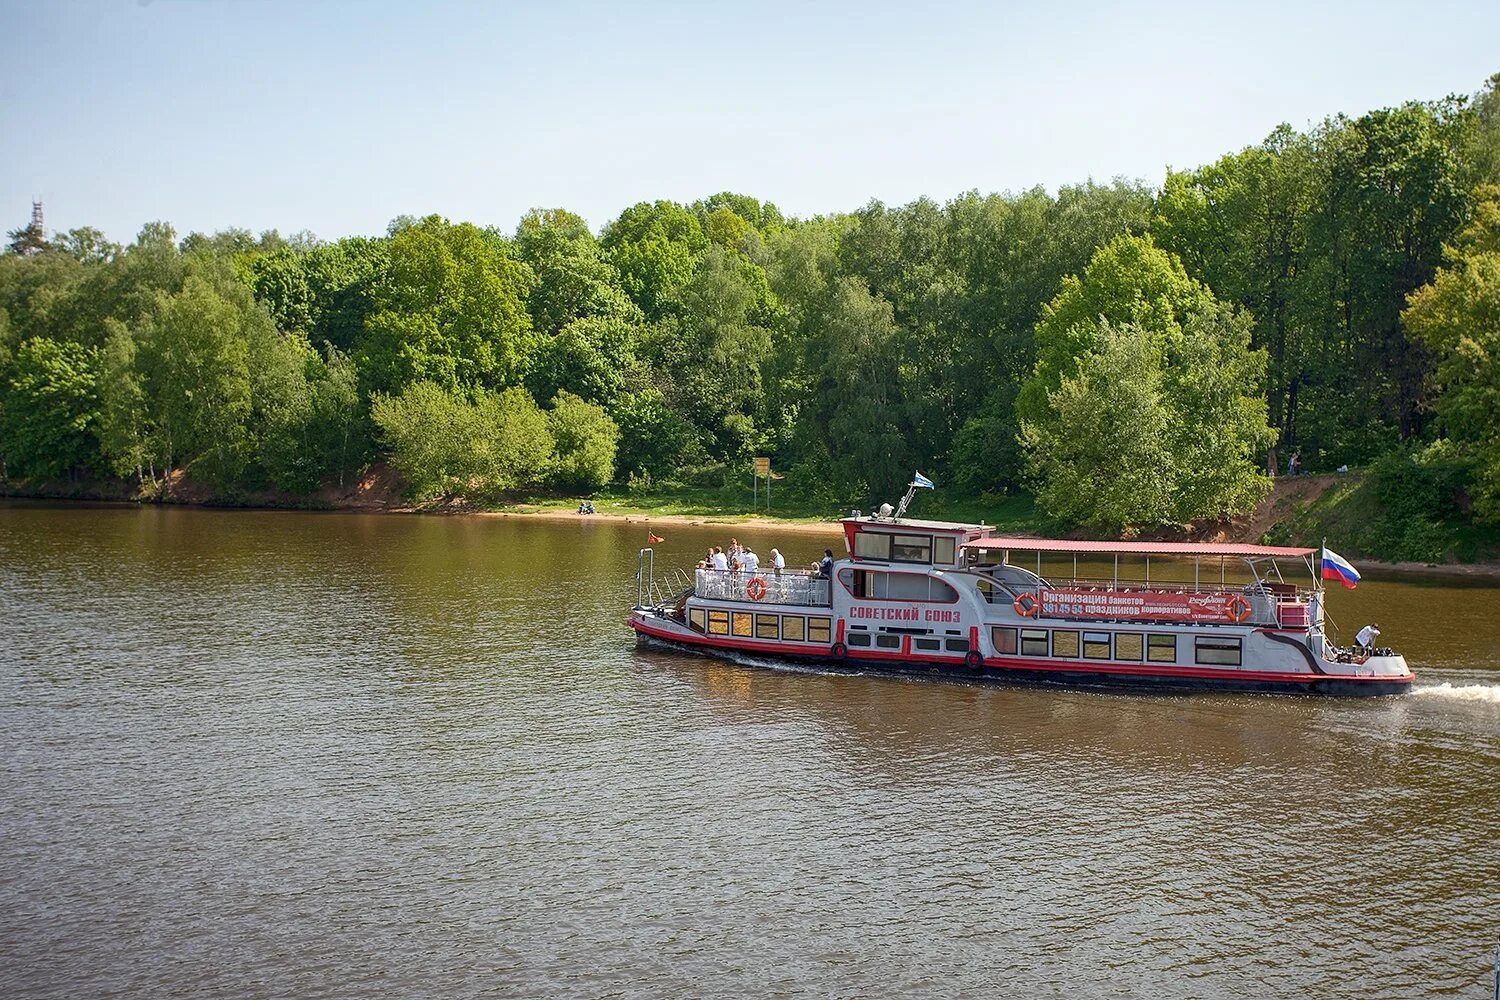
(1025,605)
(756,588)
(1238,608)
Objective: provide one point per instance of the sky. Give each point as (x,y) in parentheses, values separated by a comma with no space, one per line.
(337,117)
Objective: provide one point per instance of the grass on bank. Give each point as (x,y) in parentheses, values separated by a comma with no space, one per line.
(1399,510)
(711,503)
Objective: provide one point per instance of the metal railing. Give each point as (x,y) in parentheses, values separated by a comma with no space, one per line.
(658,592)
(791,587)
(1264,600)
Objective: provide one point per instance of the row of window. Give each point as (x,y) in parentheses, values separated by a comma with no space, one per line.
(890,640)
(1072,644)
(754,625)
(928,549)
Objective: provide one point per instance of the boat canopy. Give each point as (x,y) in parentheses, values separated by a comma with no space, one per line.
(1189,549)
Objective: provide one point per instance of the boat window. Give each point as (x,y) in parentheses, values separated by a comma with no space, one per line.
(911,548)
(872,545)
(986,590)
(881,586)
(855,581)
(793,628)
(957,645)
(912,587)
(1004,639)
(1096,645)
(1033,642)
(817,630)
(767,627)
(1065,643)
(859,638)
(696,619)
(927,644)
(1212,649)
(1128,645)
(942,550)
(888,641)
(1161,648)
(743,623)
(718,623)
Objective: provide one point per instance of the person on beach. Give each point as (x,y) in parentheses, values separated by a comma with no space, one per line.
(777,562)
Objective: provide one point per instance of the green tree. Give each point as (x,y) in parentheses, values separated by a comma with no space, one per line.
(1178,369)
(655,247)
(446,444)
(1130,280)
(49,410)
(125,435)
(574,280)
(1457,317)
(1101,454)
(193,355)
(450,309)
(586,441)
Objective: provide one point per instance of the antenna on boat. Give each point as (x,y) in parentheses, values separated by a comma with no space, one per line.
(918,480)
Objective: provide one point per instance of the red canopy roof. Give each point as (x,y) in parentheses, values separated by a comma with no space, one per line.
(1139,548)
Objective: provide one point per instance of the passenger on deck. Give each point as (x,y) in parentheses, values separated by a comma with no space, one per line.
(777,562)
(749,561)
(721,563)
(825,565)
(1365,639)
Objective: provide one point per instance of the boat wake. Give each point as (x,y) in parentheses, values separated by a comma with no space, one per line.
(1461,692)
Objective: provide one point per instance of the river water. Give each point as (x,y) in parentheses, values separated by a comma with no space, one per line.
(261,754)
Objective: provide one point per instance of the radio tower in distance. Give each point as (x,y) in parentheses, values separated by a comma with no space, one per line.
(32,239)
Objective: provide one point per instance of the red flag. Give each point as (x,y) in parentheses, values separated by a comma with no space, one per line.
(652,538)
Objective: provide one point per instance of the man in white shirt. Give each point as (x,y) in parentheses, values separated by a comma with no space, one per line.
(721,561)
(778,563)
(1365,639)
(749,561)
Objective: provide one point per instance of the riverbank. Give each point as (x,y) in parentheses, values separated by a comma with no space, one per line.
(1285,516)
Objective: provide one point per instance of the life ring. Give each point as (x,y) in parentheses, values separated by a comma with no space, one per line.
(973,658)
(756,588)
(1239,608)
(840,650)
(1025,605)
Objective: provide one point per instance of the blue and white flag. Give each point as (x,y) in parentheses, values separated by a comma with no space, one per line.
(923,482)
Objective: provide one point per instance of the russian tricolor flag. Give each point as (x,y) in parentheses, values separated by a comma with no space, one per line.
(1336,567)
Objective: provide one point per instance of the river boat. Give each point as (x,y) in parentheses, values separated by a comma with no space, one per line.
(960,601)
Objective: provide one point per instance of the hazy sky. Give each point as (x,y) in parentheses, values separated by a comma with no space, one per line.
(337,117)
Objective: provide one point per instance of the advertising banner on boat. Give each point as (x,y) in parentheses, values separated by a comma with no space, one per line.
(1149,605)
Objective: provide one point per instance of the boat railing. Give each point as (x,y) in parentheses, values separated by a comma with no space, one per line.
(790,587)
(1271,604)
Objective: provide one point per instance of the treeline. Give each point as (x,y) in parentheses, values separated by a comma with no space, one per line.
(1128,353)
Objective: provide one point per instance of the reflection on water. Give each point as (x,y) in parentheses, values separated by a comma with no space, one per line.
(262,754)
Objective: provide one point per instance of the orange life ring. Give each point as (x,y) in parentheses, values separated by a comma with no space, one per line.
(1239,608)
(1025,605)
(756,588)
